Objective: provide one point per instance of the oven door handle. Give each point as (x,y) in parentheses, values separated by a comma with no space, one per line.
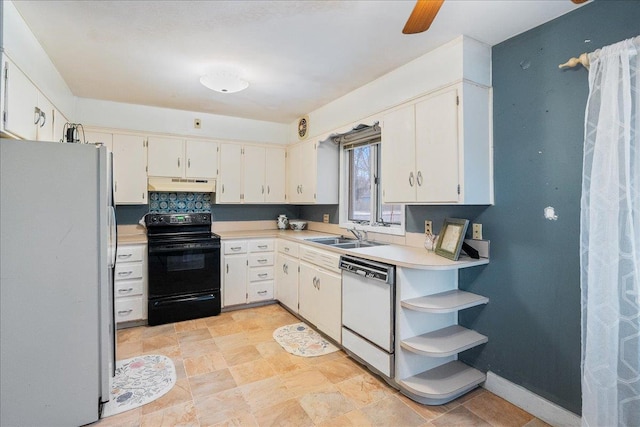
(171,301)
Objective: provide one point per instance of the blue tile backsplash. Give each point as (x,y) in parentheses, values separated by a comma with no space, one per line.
(165,203)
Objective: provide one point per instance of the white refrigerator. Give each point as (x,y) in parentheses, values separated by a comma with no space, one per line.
(57,252)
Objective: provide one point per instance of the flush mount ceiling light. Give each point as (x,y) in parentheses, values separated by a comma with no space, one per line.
(224,81)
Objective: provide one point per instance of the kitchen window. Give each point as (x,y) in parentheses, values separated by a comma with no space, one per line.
(361,189)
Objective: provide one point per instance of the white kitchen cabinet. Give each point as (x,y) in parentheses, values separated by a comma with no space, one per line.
(130,283)
(253,174)
(438,149)
(275,175)
(313,173)
(202,159)
(26,112)
(320,290)
(287,273)
(248,273)
(129,169)
(178,158)
(229,184)
(428,337)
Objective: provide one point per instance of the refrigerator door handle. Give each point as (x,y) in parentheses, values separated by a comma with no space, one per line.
(112,237)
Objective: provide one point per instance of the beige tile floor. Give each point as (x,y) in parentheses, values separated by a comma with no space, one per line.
(232,373)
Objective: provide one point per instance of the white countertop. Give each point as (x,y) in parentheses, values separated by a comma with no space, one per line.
(399,255)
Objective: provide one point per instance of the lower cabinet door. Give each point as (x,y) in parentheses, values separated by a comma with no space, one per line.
(129,308)
(287,282)
(235,280)
(308,294)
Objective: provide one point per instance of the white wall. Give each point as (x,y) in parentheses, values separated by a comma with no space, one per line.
(461,58)
(22,47)
(117,115)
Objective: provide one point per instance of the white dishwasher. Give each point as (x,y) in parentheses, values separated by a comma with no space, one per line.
(368,319)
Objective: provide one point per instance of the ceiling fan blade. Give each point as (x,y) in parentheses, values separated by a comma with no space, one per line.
(422,16)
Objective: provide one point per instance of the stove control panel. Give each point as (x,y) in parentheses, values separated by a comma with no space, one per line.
(152,220)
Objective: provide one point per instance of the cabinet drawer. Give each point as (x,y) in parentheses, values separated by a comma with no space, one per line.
(260,291)
(328,260)
(129,309)
(127,271)
(235,247)
(261,259)
(129,253)
(261,245)
(260,273)
(288,248)
(125,288)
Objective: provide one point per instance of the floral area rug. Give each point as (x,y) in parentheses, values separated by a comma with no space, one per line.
(301,340)
(138,381)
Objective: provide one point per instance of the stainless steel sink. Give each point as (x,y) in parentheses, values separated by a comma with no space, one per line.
(331,240)
(344,243)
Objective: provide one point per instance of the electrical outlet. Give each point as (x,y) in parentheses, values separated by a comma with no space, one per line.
(197,123)
(477,231)
(428,226)
(325,218)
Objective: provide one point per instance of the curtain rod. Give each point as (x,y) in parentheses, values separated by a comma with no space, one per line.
(584,58)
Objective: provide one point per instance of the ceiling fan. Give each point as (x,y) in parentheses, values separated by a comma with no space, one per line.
(425,12)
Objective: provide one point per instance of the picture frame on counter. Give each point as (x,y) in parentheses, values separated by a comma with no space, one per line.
(451,238)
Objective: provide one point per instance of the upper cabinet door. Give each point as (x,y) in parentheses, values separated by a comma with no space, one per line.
(308,172)
(398,156)
(129,169)
(253,174)
(293,173)
(166,157)
(275,175)
(230,180)
(437,166)
(21,100)
(202,159)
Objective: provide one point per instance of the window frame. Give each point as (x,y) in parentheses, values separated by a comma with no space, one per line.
(345,222)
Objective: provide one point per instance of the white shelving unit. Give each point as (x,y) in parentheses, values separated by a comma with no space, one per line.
(428,337)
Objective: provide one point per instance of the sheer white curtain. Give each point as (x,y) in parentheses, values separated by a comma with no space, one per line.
(610,239)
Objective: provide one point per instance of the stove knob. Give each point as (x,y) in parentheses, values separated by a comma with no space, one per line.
(154,219)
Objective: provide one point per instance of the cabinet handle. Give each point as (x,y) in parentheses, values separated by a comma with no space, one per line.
(115,186)
(411,179)
(223,188)
(262,246)
(268,190)
(263,274)
(262,260)
(189,163)
(318,283)
(123,312)
(419,178)
(125,273)
(227,268)
(262,292)
(122,291)
(178,161)
(124,256)
(36,115)
(301,189)
(236,248)
(263,189)
(44,118)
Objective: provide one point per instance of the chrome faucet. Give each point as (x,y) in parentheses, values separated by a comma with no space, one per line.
(359,234)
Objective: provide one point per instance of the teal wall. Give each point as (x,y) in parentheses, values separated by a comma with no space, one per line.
(533,279)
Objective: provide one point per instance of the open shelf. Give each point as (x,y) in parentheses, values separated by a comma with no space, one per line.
(442,384)
(445,302)
(444,342)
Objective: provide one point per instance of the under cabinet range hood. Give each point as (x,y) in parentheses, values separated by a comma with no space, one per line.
(186,185)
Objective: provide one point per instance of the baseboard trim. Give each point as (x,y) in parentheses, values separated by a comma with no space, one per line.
(541,408)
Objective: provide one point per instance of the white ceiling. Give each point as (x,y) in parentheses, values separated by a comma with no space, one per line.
(297,55)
